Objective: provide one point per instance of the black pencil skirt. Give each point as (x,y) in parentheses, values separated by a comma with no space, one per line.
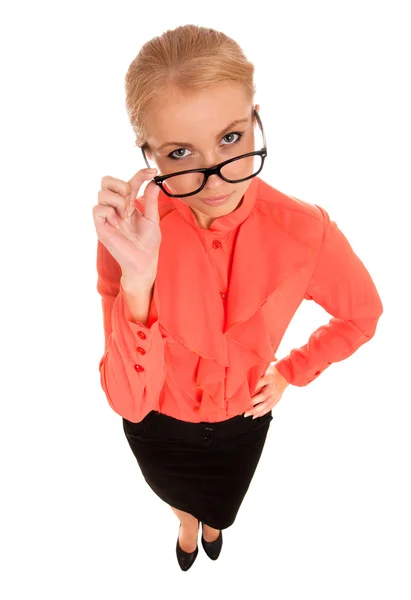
(204,469)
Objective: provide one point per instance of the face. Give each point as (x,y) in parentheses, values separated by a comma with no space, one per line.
(201,126)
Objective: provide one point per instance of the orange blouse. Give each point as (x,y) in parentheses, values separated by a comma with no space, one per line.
(222,301)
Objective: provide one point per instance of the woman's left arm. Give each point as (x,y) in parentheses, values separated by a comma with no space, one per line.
(342,285)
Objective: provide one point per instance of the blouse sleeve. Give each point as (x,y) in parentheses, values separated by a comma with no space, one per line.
(341,284)
(132,369)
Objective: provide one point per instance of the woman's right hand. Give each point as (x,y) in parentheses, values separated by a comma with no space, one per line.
(132,238)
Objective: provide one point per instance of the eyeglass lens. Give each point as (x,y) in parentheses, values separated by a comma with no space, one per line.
(237,170)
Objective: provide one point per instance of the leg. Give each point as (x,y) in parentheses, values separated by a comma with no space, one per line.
(209,533)
(188,530)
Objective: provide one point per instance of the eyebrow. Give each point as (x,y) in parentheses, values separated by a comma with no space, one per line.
(188,145)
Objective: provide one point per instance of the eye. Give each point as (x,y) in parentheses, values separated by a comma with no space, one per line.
(177,157)
(240,135)
(227,135)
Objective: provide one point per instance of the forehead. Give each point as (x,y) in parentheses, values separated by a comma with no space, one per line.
(175,115)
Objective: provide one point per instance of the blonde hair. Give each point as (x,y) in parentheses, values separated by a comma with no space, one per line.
(190,58)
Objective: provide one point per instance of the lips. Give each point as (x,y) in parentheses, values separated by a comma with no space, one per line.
(211,198)
(217,200)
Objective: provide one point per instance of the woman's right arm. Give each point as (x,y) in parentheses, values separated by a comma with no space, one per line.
(132,369)
(138,294)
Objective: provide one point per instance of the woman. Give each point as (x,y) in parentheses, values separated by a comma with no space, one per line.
(200,278)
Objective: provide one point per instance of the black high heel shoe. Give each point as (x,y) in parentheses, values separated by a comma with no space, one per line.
(212,549)
(185,559)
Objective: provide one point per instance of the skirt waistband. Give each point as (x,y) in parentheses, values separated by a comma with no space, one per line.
(227,428)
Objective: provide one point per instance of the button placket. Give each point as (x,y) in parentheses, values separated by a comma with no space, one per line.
(217,244)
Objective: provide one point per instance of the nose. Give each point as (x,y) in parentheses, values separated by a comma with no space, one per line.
(215,182)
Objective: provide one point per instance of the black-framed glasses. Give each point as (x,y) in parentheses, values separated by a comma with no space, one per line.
(234,170)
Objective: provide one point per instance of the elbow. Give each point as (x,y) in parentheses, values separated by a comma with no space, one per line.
(378,311)
(368,326)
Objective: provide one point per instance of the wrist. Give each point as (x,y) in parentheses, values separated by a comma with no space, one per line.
(282,381)
(131,278)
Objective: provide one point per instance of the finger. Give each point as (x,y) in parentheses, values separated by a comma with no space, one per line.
(137,180)
(257,399)
(151,202)
(258,412)
(118,186)
(261,383)
(106,212)
(109,198)
(137,177)
(250,413)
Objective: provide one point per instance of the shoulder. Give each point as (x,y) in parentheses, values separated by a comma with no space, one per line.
(303,220)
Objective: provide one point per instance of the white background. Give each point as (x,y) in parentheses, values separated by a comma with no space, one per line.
(327,515)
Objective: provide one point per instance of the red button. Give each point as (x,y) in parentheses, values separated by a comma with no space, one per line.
(140,350)
(222,295)
(141,335)
(216,244)
(139,368)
